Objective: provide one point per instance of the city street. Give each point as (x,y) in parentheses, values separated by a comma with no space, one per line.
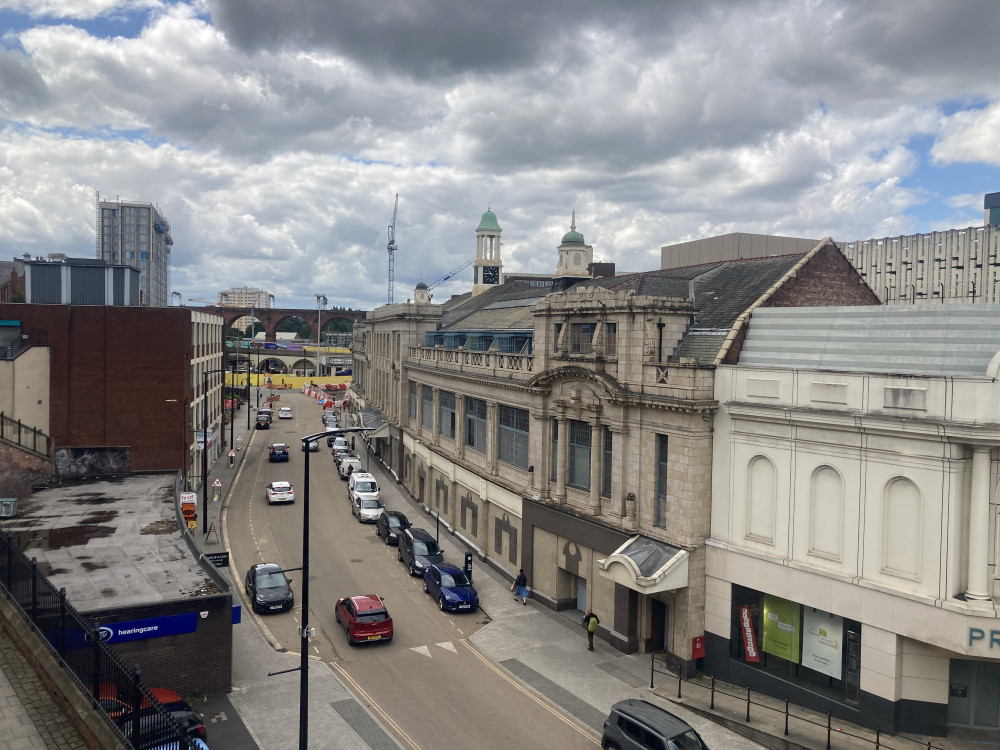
(430,686)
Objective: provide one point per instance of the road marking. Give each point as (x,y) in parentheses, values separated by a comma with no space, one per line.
(359,691)
(422,650)
(530,693)
(447,645)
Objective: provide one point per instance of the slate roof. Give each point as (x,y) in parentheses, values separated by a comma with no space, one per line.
(459,311)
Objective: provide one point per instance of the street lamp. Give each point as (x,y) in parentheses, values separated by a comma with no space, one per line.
(320,303)
(204,448)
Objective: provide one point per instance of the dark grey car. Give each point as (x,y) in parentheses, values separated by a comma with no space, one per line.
(639,725)
(417,550)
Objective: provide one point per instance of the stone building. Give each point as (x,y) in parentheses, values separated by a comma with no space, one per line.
(570,432)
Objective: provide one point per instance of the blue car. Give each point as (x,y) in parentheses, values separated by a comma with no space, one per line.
(453,589)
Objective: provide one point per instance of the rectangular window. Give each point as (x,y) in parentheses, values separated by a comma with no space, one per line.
(427,406)
(580,337)
(475,424)
(606,464)
(611,339)
(446,414)
(413,400)
(555,450)
(579,455)
(661,481)
(555,339)
(512,435)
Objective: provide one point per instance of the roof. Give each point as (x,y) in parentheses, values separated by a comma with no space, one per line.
(503,298)
(954,339)
(489,222)
(365,602)
(112,543)
(648,713)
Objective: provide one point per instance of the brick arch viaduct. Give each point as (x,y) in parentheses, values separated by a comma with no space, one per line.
(270,318)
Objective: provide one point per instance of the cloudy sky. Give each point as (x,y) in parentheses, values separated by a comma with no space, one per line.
(275,134)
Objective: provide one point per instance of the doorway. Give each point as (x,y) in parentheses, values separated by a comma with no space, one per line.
(974,694)
(659,633)
(581,593)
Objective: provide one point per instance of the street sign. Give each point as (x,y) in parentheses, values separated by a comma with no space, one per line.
(239,438)
(232,454)
(217,482)
(218,559)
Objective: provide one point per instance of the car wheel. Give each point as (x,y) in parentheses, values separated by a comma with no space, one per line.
(425,587)
(441,603)
(611,746)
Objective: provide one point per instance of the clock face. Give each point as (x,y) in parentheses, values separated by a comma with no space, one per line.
(491,275)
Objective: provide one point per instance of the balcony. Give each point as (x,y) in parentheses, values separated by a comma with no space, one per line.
(485,364)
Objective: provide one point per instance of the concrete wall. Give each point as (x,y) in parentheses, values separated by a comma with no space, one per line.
(24,388)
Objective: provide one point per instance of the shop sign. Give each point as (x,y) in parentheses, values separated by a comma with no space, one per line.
(821,642)
(978,634)
(782,622)
(749,641)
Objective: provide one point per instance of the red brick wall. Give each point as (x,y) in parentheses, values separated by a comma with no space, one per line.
(112,371)
(826,280)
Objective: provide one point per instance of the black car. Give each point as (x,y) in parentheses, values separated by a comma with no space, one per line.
(153,730)
(268,588)
(417,550)
(390,525)
(263,422)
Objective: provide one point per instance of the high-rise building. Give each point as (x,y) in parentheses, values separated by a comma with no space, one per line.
(246,297)
(131,233)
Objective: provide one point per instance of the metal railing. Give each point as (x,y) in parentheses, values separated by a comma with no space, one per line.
(116,692)
(13,431)
(738,703)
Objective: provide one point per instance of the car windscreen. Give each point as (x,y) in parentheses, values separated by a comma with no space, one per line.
(280,487)
(451,580)
(687,741)
(366,487)
(371,504)
(373,615)
(426,548)
(271,580)
(395,521)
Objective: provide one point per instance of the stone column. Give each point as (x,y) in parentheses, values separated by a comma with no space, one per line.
(596,449)
(618,440)
(436,428)
(562,458)
(539,447)
(492,420)
(459,425)
(979,525)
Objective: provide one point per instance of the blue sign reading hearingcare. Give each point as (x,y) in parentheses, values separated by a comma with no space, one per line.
(133,630)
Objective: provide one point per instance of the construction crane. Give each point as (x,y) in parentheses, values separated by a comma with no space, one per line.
(451,273)
(391,247)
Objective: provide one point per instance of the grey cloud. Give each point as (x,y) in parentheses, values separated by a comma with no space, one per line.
(20,84)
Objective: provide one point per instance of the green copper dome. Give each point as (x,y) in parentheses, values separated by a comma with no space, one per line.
(572,237)
(489,221)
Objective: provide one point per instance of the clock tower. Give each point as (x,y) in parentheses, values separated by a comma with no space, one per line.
(488,268)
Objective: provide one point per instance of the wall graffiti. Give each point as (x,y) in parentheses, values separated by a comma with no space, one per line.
(93,462)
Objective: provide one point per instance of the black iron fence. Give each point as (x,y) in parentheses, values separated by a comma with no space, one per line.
(116,691)
(801,724)
(13,431)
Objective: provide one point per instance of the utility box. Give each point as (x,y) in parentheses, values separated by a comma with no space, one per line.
(468,565)
(8,507)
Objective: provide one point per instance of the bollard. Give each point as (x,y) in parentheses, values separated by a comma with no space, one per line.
(829,729)
(748,704)
(712,703)
(652,661)
(786,717)
(680,681)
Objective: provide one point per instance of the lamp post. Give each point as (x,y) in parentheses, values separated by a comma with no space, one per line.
(253,309)
(204,448)
(320,303)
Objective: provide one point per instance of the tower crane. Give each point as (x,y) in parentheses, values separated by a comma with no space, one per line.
(391,247)
(451,273)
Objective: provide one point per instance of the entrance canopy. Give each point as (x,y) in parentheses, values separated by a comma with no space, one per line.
(647,566)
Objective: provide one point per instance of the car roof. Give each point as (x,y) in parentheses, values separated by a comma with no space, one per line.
(659,718)
(362,475)
(267,566)
(448,568)
(365,602)
(353,459)
(421,534)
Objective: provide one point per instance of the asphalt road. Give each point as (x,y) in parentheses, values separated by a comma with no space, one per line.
(430,687)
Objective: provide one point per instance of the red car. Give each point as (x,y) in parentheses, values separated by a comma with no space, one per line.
(364,618)
(116,705)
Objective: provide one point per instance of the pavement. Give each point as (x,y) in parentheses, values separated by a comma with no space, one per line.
(545,650)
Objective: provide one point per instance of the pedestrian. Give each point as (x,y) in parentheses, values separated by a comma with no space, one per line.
(590,622)
(520,587)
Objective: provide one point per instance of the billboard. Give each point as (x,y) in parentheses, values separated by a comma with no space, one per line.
(822,642)
(782,626)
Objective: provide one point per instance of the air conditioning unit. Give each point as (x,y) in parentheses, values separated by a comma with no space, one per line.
(8,507)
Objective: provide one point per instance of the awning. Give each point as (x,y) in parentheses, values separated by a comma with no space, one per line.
(373,419)
(647,566)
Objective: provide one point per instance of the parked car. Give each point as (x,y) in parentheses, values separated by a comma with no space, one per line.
(196,744)
(451,587)
(362,484)
(364,618)
(639,725)
(339,454)
(390,525)
(116,704)
(333,436)
(366,509)
(417,550)
(268,588)
(348,466)
(277,452)
(313,445)
(285,412)
(152,729)
(279,492)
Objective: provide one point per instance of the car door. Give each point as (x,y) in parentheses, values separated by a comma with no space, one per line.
(434,582)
